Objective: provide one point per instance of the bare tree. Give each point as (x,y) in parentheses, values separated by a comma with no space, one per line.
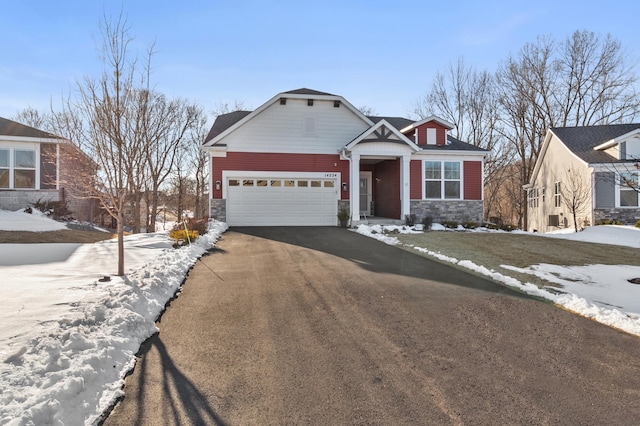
(166,122)
(367,110)
(33,118)
(575,194)
(99,122)
(468,99)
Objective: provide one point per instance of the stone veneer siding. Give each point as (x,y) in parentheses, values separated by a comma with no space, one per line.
(16,199)
(449,210)
(628,216)
(218,209)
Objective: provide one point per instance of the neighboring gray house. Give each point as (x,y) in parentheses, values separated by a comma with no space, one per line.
(604,158)
(31,168)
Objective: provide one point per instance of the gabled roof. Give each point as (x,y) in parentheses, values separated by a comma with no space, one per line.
(305,91)
(224,121)
(582,140)
(230,123)
(435,118)
(397,122)
(383,136)
(13,128)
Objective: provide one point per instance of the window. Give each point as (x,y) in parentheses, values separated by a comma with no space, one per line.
(431,136)
(22,162)
(442,179)
(557,198)
(4,168)
(261,182)
(303,183)
(328,184)
(533,198)
(234,182)
(276,183)
(628,189)
(247,182)
(316,184)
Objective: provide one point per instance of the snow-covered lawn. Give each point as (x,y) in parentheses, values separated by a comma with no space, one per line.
(600,292)
(66,338)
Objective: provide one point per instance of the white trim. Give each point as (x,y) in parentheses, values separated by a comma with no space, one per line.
(27,139)
(369,176)
(385,123)
(239,174)
(435,118)
(442,179)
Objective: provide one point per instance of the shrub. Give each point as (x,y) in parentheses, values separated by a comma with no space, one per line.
(181,235)
(470,225)
(490,225)
(507,227)
(451,224)
(638,224)
(409,219)
(427,222)
(56,210)
(609,222)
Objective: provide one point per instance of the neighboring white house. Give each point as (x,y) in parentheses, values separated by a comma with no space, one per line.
(32,168)
(604,159)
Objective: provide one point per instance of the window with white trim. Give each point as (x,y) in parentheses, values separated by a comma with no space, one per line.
(442,179)
(628,189)
(557,197)
(533,198)
(5,170)
(18,168)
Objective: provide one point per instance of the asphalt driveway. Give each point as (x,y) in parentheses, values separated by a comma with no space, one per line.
(324,326)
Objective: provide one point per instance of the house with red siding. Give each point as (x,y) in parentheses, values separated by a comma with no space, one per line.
(304,155)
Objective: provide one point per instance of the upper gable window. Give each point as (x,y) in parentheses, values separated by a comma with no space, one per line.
(431,136)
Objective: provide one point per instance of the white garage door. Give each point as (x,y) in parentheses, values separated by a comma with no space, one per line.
(277,201)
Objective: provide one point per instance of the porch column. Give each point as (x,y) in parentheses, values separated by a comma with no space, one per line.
(405,181)
(354,190)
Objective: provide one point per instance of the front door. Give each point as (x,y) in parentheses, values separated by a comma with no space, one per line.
(365,193)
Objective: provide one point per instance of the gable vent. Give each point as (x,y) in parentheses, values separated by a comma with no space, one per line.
(309,102)
(283,101)
(336,104)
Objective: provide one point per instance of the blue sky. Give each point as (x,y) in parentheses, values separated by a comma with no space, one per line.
(382,54)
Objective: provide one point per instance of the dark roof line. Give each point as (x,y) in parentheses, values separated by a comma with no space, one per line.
(582,140)
(13,128)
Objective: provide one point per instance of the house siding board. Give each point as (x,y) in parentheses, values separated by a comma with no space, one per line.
(472,176)
(387,189)
(422,133)
(48,166)
(415,174)
(556,163)
(605,190)
(279,162)
(283,129)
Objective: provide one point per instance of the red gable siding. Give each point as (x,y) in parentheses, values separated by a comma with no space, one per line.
(441,133)
(472,180)
(275,162)
(415,171)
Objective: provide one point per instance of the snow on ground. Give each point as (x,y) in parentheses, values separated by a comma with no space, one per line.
(66,338)
(20,221)
(600,292)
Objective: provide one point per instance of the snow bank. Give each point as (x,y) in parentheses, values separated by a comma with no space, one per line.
(21,221)
(76,371)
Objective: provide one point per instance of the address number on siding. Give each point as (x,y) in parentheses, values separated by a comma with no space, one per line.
(330,175)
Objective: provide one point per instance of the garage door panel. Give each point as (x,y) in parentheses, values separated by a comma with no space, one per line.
(310,205)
